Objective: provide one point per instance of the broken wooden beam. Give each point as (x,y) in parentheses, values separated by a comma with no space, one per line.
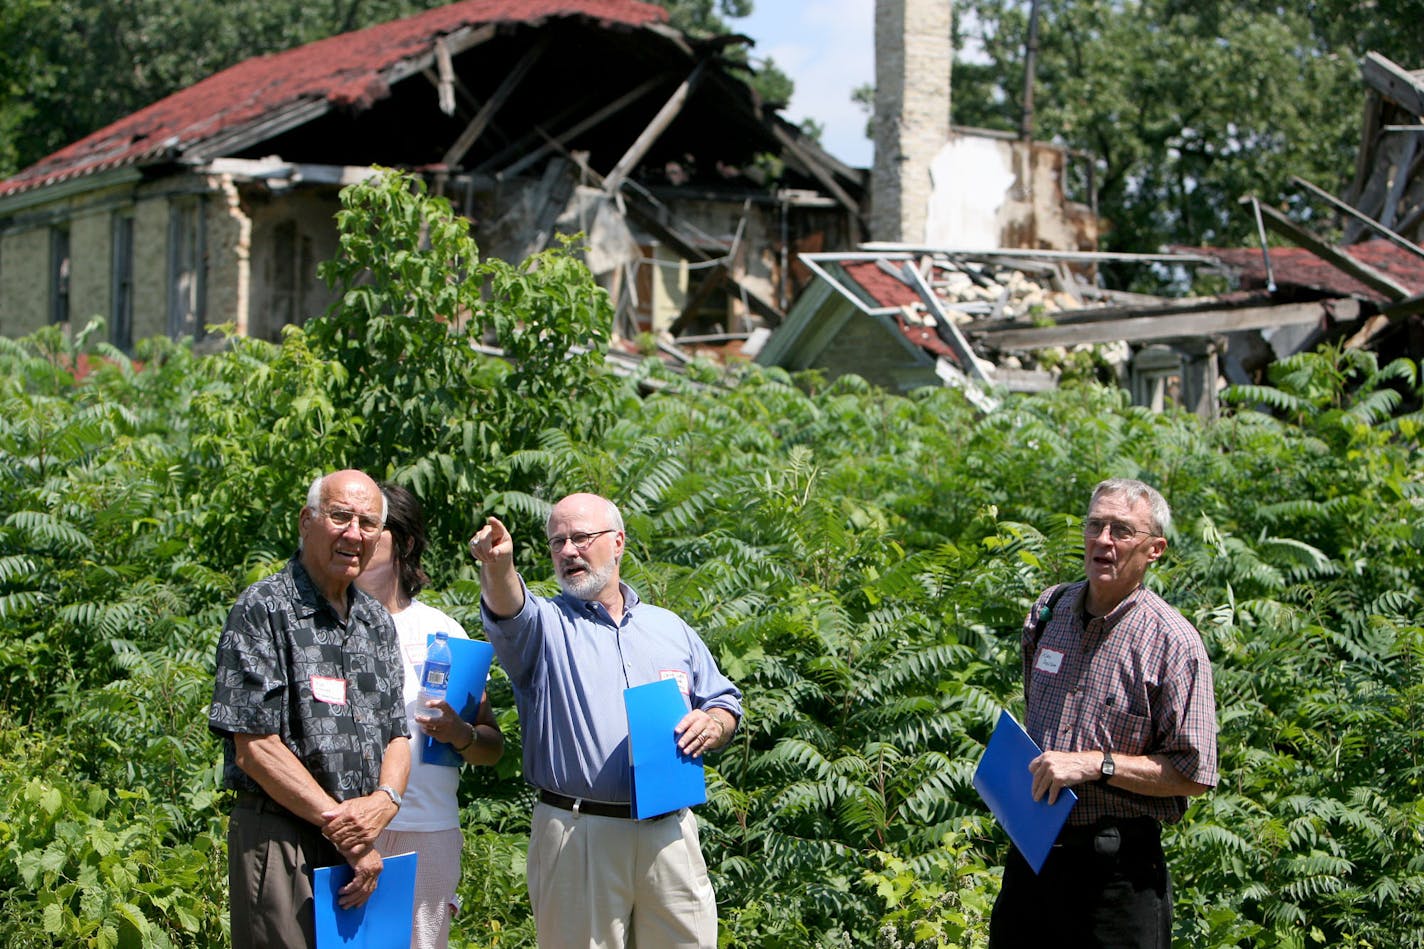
(1332,255)
(1168,325)
(1393,82)
(482,119)
(670,110)
(578,128)
(1395,238)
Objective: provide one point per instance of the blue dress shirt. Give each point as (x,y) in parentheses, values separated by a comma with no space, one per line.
(569,664)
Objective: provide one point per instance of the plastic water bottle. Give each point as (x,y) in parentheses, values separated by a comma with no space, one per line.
(435,678)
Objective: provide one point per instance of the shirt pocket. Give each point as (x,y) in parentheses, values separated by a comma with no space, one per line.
(1127,733)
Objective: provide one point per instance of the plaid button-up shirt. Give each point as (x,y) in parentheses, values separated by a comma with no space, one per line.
(1136,682)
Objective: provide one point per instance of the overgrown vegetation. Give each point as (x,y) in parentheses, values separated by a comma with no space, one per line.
(859,562)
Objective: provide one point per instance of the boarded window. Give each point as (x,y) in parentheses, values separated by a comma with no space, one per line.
(186,269)
(59,267)
(121,293)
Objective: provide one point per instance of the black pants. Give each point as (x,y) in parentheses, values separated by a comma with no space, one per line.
(1103,885)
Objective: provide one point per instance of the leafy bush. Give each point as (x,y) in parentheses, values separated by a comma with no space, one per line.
(859,562)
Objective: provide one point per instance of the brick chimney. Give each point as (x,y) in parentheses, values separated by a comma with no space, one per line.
(913,55)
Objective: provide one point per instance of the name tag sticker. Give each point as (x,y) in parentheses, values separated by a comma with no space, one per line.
(679,676)
(1049,660)
(329,690)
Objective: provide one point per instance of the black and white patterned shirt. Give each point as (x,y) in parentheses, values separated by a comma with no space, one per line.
(288,666)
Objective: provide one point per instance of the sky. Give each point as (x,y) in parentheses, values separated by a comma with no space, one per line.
(828,48)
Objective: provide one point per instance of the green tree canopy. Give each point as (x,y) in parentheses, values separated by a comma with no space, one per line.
(1187,105)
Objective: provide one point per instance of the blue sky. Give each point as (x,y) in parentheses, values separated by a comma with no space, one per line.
(828,48)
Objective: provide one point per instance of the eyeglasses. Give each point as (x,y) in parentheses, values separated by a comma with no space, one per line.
(341,519)
(1119,531)
(581,540)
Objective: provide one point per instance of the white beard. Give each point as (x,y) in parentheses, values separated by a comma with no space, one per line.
(590,584)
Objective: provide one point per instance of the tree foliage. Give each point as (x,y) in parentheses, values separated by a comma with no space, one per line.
(859,562)
(1186,106)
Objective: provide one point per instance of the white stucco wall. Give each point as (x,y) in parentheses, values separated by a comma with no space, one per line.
(973,181)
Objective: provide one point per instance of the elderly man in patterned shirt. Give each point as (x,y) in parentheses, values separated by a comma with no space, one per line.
(307,702)
(1119,696)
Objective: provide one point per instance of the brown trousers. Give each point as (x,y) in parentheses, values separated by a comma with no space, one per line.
(271,854)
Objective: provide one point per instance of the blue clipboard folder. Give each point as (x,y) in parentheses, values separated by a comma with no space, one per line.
(469,668)
(664,779)
(1004,782)
(382,922)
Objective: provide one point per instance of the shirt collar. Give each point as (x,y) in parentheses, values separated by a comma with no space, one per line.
(311,601)
(595,608)
(1115,615)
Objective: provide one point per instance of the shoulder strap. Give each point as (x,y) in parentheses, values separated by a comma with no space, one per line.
(1045,613)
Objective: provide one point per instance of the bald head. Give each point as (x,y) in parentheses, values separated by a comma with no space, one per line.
(340,526)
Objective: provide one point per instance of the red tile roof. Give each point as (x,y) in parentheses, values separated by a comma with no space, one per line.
(1299,267)
(346,70)
(887,290)
(883,289)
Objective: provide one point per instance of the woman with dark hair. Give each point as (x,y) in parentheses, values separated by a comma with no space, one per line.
(429,818)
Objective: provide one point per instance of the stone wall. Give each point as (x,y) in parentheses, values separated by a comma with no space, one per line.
(914,52)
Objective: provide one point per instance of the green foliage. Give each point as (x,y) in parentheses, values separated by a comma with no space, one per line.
(135,53)
(860,563)
(1126,82)
(427,409)
(704,17)
(81,865)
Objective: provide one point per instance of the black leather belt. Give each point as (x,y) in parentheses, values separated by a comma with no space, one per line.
(1131,830)
(580,806)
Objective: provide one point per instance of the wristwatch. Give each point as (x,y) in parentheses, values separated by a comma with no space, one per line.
(391,793)
(1108,767)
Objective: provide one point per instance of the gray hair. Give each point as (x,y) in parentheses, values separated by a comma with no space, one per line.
(1133,491)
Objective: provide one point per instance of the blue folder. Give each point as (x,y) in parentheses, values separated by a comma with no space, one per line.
(382,922)
(664,779)
(1004,782)
(469,668)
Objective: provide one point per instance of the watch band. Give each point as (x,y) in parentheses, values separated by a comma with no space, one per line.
(1108,768)
(391,793)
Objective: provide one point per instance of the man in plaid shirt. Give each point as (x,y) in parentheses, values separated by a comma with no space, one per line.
(1119,696)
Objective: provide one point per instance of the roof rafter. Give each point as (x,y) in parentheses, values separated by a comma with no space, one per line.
(482,119)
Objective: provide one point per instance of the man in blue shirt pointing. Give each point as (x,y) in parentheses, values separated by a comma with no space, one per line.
(598,877)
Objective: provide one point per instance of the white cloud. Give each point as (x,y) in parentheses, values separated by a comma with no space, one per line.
(828,49)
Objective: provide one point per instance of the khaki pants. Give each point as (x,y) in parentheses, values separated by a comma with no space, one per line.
(270,858)
(611,883)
